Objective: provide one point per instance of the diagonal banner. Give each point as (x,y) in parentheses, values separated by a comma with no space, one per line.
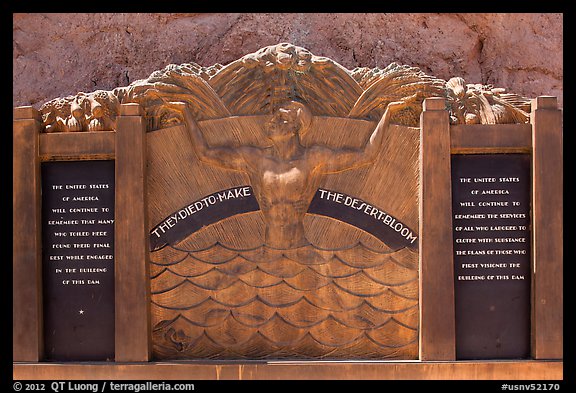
(364,215)
(208,210)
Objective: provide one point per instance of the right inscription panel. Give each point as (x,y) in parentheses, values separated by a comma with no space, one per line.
(491,230)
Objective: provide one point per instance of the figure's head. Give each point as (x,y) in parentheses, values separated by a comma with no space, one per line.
(97,109)
(76,110)
(289,119)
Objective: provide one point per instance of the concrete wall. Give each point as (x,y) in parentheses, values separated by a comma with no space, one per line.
(61,54)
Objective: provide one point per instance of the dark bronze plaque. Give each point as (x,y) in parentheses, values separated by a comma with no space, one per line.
(78,260)
(491,230)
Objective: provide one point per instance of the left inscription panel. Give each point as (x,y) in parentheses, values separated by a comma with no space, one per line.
(78,260)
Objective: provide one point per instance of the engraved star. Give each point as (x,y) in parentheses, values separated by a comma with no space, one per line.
(81,312)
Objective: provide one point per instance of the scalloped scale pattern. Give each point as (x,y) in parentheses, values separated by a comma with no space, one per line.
(305,303)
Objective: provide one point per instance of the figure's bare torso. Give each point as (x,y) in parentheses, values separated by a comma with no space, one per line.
(283,187)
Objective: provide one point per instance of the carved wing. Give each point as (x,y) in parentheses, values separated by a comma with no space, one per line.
(286,72)
(184,83)
(394,83)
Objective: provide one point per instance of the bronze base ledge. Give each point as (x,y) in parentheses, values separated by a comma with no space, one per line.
(295,370)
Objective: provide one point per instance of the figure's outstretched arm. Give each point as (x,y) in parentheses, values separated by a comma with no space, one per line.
(221,156)
(345,159)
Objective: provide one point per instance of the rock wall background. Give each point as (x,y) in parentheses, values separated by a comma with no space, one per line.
(57,55)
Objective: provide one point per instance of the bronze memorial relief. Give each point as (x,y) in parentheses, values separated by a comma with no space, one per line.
(283,200)
(278,278)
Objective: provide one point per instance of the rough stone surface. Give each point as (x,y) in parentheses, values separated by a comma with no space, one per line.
(57,55)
